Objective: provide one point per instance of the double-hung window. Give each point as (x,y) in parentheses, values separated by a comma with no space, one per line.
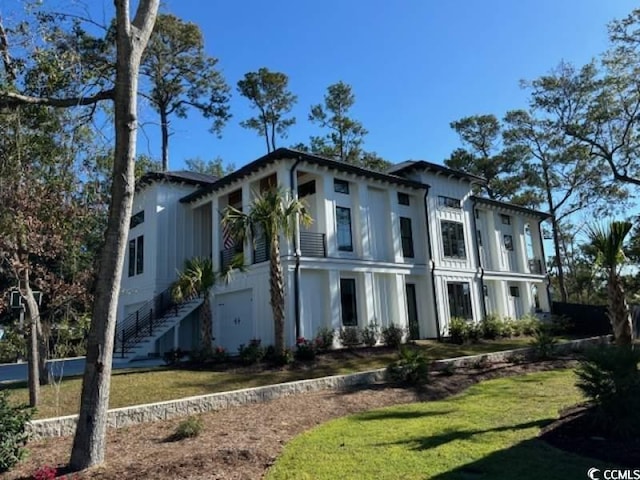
(343,229)
(136,256)
(453,239)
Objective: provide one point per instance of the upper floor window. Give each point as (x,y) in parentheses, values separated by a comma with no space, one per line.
(305,189)
(341,186)
(136,256)
(136,219)
(343,229)
(505,219)
(453,239)
(407,237)
(508,242)
(449,202)
(403,199)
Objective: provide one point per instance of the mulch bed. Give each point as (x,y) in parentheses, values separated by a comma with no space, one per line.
(243,442)
(574,432)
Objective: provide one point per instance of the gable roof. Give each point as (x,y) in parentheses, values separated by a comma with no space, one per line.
(409,165)
(510,206)
(291,154)
(178,176)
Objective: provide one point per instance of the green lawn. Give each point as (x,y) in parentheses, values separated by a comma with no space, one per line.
(132,387)
(487,432)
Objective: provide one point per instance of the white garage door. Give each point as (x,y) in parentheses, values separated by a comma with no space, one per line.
(235,319)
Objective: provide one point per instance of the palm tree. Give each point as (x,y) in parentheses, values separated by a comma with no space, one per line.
(608,242)
(196,280)
(272,213)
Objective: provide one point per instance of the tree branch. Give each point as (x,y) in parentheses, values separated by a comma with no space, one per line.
(12,100)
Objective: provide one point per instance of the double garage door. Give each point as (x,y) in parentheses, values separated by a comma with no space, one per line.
(234,316)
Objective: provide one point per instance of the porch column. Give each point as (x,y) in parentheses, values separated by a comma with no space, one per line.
(326,194)
(215,234)
(247,249)
(369,312)
(519,246)
(394,226)
(363,232)
(494,242)
(334,302)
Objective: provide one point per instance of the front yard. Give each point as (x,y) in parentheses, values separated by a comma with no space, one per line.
(133,387)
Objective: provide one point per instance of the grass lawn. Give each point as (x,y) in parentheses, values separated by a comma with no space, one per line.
(133,387)
(489,431)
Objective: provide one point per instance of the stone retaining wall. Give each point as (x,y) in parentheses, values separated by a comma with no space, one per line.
(122,417)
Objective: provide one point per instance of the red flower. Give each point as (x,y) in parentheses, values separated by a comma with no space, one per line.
(300,340)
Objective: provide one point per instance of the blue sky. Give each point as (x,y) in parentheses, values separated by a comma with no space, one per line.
(414,65)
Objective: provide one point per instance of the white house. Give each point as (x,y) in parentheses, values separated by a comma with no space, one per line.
(412,247)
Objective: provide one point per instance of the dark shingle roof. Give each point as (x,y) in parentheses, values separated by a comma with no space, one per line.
(287,153)
(179,176)
(510,206)
(406,167)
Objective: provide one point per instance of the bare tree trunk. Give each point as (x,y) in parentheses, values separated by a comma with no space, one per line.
(206,324)
(558,260)
(131,39)
(619,315)
(32,359)
(164,127)
(276,289)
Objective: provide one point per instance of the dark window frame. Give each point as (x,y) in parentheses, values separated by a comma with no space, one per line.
(449,202)
(453,243)
(136,256)
(460,291)
(505,219)
(307,188)
(406,237)
(514,291)
(340,234)
(348,304)
(404,199)
(136,219)
(508,242)
(341,186)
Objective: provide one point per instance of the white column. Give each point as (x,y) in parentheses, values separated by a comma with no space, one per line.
(519,246)
(334,302)
(394,227)
(493,242)
(246,202)
(527,298)
(363,232)
(400,301)
(325,191)
(215,234)
(534,228)
(368,303)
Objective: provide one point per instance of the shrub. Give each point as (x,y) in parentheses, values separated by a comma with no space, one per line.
(252,353)
(458,330)
(561,324)
(349,336)
(492,327)
(529,324)
(393,335)
(189,428)
(13,425)
(507,327)
(174,356)
(12,346)
(219,355)
(47,472)
(278,359)
(324,339)
(411,367)
(543,343)
(370,334)
(474,331)
(610,379)
(305,350)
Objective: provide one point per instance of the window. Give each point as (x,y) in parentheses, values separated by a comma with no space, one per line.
(348,302)
(136,219)
(407,237)
(453,239)
(459,300)
(449,202)
(505,219)
(136,256)
(341,186)
(305,189)
(514,291)
(343,229)
(403,199)
(508,242)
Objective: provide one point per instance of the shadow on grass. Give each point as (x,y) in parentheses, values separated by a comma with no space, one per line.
(433,441)
(529,459)
(398,415)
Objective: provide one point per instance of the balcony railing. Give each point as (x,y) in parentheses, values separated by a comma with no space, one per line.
(313,244)
(535,266)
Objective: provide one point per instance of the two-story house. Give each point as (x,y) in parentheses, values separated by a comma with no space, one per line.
(411,247)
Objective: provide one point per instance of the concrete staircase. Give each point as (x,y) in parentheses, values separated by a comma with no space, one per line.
(136,336)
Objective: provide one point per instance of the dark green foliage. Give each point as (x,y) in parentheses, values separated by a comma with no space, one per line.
(174,356)
(324,339)
(370,334)
(492,327)
(544,343)
(252,353)
(12,346)
(189,428)
(458,330)
(610,379)
(349,336)
(13,435)
(278,359)
(412,367)
(305,350)
(392,336)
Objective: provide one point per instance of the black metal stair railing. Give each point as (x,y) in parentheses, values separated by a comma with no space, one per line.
(141,323)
